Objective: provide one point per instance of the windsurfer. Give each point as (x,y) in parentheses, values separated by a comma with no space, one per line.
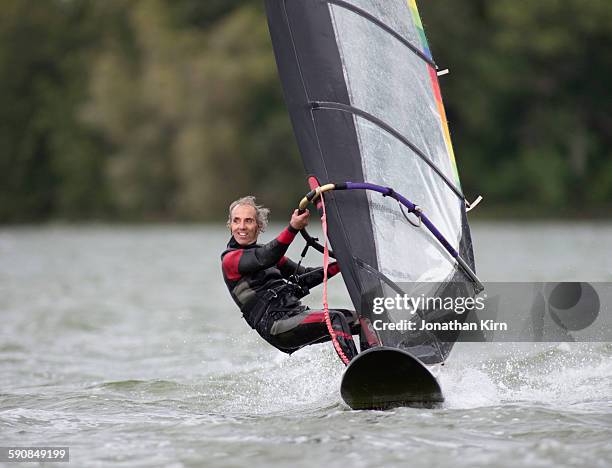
(267,285)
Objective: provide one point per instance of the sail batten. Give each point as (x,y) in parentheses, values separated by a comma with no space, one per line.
(361,113)
(355,9)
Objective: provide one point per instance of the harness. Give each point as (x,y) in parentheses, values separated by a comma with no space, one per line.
(264,300)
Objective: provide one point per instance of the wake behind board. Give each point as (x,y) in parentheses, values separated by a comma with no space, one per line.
(385,377)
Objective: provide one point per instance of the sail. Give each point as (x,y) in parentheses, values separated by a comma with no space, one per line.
(363,95)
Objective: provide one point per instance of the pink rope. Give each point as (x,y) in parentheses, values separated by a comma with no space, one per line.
(330,329)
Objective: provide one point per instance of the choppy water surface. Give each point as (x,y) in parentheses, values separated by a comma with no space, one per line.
(123,344)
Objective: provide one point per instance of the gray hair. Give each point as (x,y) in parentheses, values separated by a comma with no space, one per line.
(261,213)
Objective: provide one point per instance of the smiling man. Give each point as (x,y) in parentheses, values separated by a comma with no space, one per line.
(261,280)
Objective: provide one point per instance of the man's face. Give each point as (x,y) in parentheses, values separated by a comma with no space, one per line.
(244,224)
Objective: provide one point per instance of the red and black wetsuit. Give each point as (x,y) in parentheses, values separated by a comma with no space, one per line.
(256,276)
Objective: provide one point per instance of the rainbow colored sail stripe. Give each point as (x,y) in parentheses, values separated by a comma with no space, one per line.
(416,18)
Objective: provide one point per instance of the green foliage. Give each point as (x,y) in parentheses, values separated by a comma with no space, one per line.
(195,119)
(528,98)
(170,109)
(49,162)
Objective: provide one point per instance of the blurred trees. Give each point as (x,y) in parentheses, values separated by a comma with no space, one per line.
(49,162)
(529,99)
(169,109)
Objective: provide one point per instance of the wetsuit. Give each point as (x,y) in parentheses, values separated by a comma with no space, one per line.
(257,278)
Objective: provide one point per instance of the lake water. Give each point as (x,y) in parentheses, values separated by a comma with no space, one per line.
(123,344)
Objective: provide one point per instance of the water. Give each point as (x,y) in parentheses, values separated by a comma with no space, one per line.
(122,343)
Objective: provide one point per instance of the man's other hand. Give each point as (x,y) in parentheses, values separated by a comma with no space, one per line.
(299,221)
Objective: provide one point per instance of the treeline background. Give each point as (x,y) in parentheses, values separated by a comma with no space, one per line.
(169,109)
